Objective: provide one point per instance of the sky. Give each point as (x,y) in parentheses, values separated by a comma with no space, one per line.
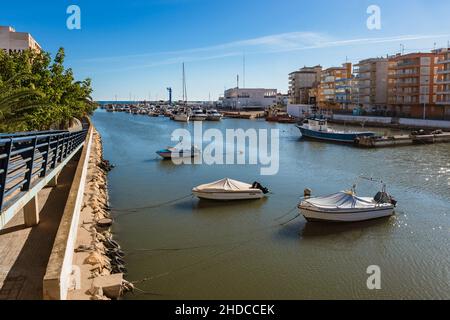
(135,48)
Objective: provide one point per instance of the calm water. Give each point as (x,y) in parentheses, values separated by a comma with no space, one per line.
(204,250)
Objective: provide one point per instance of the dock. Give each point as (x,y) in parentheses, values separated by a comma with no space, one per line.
(402,140)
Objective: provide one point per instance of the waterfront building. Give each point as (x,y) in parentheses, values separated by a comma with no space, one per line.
(12,41)
(249,98)
(300,83)
(443,82)
(335,87)
(371,82)
(412,84)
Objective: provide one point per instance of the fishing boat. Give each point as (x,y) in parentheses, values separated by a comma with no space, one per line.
(317,128)
(198,115)
(175,153)
(228,189)
(346,206)
(213,115)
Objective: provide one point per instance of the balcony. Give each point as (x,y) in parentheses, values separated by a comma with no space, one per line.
(443,81)
(443,61)
(443,71)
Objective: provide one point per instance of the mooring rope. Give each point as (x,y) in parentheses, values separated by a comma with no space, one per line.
(129,211)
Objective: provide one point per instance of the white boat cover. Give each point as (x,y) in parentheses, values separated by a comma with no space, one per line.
(341,200)
(227,185)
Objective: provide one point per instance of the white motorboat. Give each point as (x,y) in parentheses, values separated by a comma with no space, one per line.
(213,115)
(198,115)
(181,115)
(174,153)
(228,189)
(346,206)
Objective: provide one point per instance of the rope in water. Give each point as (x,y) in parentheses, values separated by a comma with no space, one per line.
(129,211)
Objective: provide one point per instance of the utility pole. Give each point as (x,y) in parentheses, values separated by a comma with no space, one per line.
(237,92)
(243,84)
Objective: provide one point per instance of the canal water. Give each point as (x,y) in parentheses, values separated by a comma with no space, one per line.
(192,249)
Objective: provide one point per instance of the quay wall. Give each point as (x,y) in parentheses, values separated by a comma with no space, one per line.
(393,122)
(59,268)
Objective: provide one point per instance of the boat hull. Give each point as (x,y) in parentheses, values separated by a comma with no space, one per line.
(333,136)
(175,155)
(229,196)
(198,118)
(181,118)
(213,118)
(311,214)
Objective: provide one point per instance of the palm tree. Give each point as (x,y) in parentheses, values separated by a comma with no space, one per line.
(15,101)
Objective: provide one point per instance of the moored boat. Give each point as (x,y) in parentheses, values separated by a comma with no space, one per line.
(228,189)
(317,128)
(174,153)
(346,206)
(198,115)
(213,115)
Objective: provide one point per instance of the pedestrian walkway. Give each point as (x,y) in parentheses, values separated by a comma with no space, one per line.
(24,252)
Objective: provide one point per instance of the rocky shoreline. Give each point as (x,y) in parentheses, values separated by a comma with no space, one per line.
(97,255)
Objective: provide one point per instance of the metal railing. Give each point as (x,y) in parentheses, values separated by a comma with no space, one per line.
(24,159)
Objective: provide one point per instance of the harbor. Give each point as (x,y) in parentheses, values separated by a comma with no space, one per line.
(197,156)
(175,249)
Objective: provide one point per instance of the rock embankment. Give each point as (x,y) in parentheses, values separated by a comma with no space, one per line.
(97,256)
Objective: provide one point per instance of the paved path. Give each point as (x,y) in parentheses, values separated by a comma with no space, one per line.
(24,252)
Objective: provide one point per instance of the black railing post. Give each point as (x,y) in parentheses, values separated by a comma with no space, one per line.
(55,154)
(29,166)
(4,163)
(46,155)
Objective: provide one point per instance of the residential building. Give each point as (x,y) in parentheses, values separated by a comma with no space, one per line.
(12,41)
(301,81)
(372,79)
(335,87)
(443,82)
(249,98)
(412,84)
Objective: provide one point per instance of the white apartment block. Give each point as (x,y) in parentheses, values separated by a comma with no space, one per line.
(12,41)
(252,98)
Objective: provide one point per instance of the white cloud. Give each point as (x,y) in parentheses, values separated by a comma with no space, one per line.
(285,42)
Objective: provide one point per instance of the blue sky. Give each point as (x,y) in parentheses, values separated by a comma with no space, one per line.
(136,47)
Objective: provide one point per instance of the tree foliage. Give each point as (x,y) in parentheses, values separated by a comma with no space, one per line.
(37,93)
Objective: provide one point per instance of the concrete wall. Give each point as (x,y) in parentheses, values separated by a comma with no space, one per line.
(59,268)
(298,110)
(419,123)
(425,123)
(383,120)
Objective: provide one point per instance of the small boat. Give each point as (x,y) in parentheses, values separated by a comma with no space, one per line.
(346,206)
(317,128)
(181,116)
(198,115)
(174,153)
(213,115)
(228,189)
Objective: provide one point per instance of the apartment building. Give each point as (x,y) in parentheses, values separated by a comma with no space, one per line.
(412,84)
(335,87)
(371,83)
(250,98)
(300,83)
(12,41)
(443,82)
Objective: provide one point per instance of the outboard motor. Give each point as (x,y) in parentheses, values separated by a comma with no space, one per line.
(384,197)
(257,185)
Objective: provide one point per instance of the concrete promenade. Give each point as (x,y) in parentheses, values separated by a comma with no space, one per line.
(24,251)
